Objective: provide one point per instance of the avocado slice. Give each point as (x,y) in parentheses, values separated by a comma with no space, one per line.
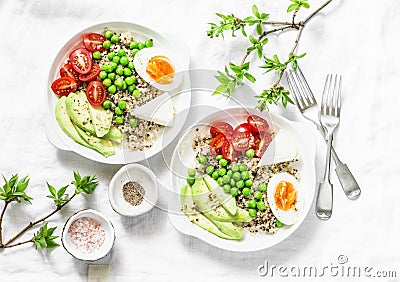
(103,146)
(114,134)
(65,122)
(227,201)
(101,119)
(233,230)
(188,207)
(78,111)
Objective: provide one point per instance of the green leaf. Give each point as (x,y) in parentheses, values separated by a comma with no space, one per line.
(44,238)
(259,29)
(222,78)
(250,77)
(61,192)
(221,89)
(253,39)
(51,244)
(246,66)
(255,11)
(264,41)
(51,189)
(292,7)
(86,184)
(259,51)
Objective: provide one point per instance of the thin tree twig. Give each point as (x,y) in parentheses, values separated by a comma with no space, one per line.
(316,11)
(18,244)
(1,222)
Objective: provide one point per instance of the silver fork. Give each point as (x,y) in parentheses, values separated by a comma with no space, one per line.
(329,118)
(307,105)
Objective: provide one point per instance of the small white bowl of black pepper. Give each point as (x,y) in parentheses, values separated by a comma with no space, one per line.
(133,190)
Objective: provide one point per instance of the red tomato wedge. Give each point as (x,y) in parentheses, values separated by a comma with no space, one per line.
(242,138)
(257,123)
(228,152)
(68,71)
(261,144)
(216,143)
(63,86)
(81,60)
(91,75)
(94,42)
(221,127)
(96,93)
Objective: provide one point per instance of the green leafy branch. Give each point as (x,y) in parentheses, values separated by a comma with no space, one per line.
(235,74)
(44,238)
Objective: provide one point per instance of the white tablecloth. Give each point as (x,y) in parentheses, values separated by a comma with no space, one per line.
(358,39)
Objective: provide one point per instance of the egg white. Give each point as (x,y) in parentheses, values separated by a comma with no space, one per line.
(291,216)
(141,60)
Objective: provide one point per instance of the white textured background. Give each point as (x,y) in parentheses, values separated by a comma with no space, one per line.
(359,39)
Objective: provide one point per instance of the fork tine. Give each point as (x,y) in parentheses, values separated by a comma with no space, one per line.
(339,98)
(309,93)
(303,92)
(325,95)
(294,89)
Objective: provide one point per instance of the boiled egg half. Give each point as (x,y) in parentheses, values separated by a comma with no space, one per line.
(285,197)
(158,68)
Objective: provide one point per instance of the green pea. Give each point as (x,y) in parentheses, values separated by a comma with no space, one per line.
(226,179)
(124,86)
(103,74)
(119,70)
(149,43)
(220,181)
(127,72)
(134,51)
(234,192)
(121,52)
(129,80)
(215,175)
(133,122)
(103,67)
(122,104)
(133,45)
(119,120)
(210,169)
(118,82)
(136,93)
(240,184)
(242,167)
(107,44)
(131,88)
(229,173)
(107,82)
(234,167)
(252,212)
(114,39)
(246,192)
(113,65)
(108,68)
(202,159)
(278,223)
(227,188)
(190,180)
(262,187)
(250,153)
(248,183)
(124,60)
(219,157)
(111,55)
(112,89)
(222,171)
(96,55)
(223,162)
(111,76)
(245,175)
(108,34)
(236,176)
(261,206)
(118,111)
(257,195)
(191,172)
(107,104)
(252,204)
(116,59)
(141,45)
(131,65)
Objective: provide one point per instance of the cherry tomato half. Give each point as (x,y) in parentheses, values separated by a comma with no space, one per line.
(68,71)
(94,42)
(242,138)
(91,75)
(228,152)
(261,144)
(216,143)
(96,93)
(81,60)
(257,123)
(221,127)
(63,86)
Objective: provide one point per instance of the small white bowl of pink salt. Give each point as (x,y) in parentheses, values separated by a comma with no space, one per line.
(88,235)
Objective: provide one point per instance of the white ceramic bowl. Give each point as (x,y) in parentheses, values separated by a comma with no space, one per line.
(104,248)
(137,173)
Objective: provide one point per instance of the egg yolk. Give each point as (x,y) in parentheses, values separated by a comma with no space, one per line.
(285,195)
(160,69)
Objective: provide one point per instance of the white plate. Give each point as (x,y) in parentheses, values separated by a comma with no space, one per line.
(184,155)
(181,101)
